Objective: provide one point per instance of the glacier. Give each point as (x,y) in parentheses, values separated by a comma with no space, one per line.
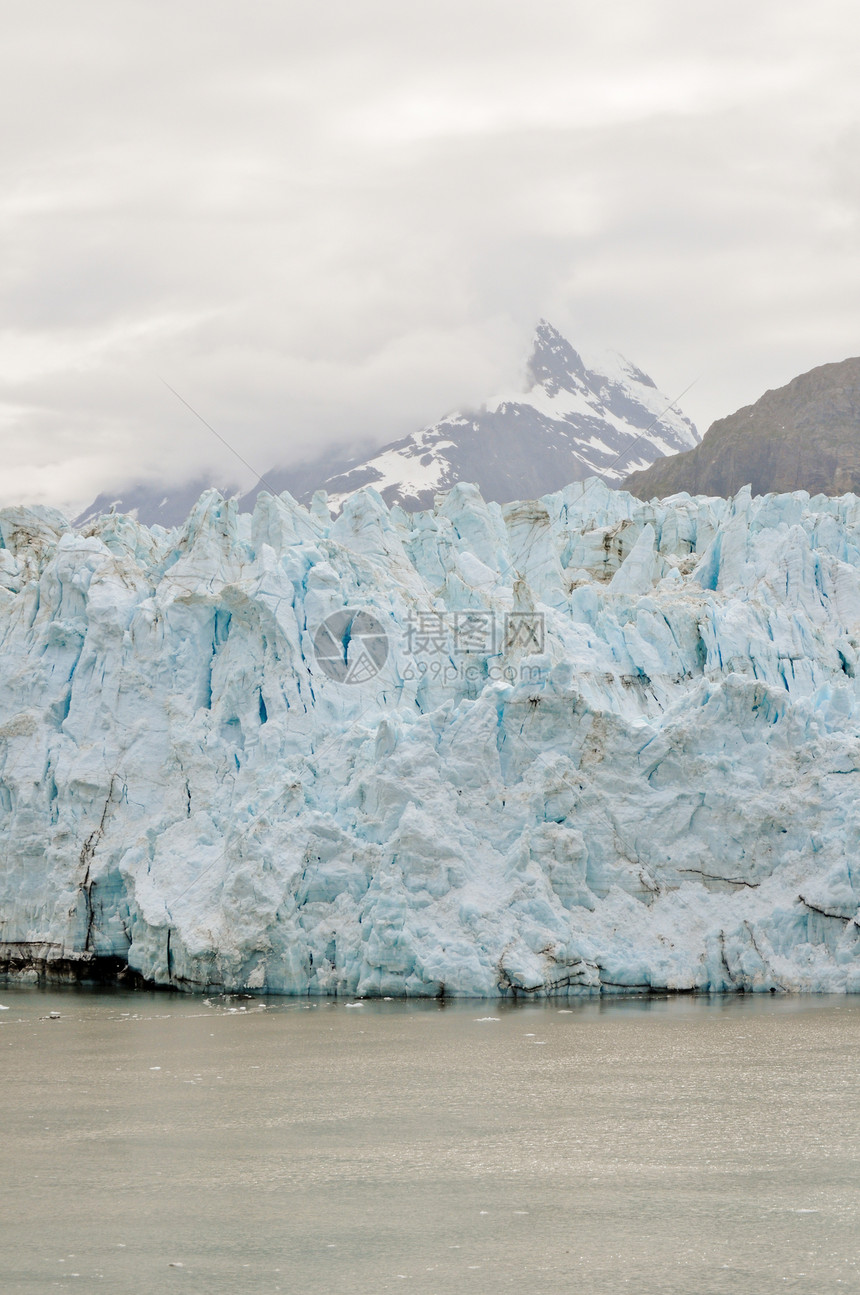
(654,787)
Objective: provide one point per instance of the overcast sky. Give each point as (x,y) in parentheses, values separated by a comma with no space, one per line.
(336,220)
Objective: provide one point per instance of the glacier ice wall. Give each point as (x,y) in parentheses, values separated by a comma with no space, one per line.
(660,792)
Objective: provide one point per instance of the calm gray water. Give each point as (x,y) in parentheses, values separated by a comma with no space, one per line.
(661,1146)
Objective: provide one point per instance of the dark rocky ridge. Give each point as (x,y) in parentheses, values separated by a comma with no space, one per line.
(803,436)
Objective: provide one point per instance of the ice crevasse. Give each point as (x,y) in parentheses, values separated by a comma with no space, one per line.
(654,786)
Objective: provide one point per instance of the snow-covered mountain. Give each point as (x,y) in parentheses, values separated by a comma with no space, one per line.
(571,745)
(578,417)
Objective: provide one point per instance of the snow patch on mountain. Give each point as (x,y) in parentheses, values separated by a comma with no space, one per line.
(410,471)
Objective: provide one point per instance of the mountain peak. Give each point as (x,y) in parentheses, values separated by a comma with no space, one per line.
(554,364)
(579,417)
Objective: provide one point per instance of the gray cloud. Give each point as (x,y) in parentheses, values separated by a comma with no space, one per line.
(333,223)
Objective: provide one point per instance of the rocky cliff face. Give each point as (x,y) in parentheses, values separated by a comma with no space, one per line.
(804,436)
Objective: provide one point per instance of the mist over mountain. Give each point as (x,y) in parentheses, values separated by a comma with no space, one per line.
(803,436)
(579,416)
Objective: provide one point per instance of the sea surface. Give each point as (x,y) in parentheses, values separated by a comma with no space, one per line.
(156,1143)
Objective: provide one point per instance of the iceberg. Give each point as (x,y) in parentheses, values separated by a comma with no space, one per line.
(574,745)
